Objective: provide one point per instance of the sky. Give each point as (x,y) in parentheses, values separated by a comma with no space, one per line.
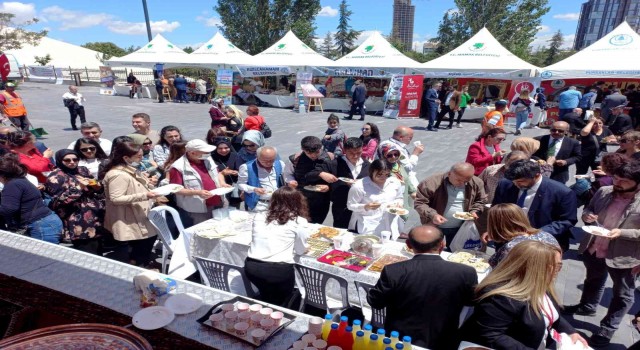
(193,22)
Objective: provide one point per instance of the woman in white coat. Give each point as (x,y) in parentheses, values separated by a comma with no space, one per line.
(369,199)
(201,90)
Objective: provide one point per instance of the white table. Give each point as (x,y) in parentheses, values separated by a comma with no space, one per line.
(373,104)
(145,91)
(282,101)
(110,284)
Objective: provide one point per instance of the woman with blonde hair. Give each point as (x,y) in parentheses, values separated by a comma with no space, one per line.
(508,225)
(517,306)
(529,146)
(234,125)
(522,107)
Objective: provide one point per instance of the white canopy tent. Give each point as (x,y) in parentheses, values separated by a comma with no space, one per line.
(219,51)
(158,50)
(615,55)
(374,53)
(63,55)
(482,56)
(292,52)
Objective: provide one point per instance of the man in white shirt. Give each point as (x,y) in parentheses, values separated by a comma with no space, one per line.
(402,136)
(91,130)
(73,101)
(259,178)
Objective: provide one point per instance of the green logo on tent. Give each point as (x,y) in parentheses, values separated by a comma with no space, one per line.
(305,46)
(477,47)
(368,49)
(280,47)
(170,46)
(209,46)
(149,46)
(232,46)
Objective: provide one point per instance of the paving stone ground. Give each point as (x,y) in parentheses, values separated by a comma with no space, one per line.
(443,149)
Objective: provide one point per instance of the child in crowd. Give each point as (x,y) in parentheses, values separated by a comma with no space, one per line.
(334,137)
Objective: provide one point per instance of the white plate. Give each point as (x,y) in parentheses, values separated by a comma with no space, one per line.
(311,188)
(183,303)
(153,317)
(347,180)
(398,211)
(221,191)
(168,189)
(596,230)
(459,216)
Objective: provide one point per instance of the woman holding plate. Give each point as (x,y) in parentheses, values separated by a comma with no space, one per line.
(371,198)
(198,173)
(391,154)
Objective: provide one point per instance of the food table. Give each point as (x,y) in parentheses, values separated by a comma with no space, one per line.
(123,90)
(282,101)
(373,104)
(108,283)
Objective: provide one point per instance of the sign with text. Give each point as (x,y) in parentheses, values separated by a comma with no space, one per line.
(106,76)
(249,71)
(45,73)
(308,90)
(411,96)
(224,85)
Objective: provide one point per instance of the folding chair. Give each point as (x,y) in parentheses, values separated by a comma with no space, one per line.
(158,218)
(216,274)
(314,283)
(377,315)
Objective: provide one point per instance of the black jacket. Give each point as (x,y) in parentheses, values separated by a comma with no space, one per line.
(620,124)
(424,297)
(339,168)
(575,121)
(569,151)
(502,323)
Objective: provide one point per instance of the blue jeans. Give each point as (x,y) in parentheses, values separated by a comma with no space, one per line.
(48,229)
(521,119)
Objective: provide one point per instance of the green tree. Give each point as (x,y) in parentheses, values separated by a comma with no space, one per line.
(188,49)
(554,48)
(345,38)
(108,49)
(42,60)
(414,55)
(14,35)
(327,47)
(512,22)
(254,25)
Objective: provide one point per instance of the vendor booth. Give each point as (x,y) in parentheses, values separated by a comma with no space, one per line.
(218,53)
(158,50)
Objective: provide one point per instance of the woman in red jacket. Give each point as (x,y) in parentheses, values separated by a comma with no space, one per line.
(253,121)
(486,150)
(23,143)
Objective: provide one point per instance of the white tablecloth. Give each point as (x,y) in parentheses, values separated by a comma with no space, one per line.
(373,104)
(145,91)
(282,101)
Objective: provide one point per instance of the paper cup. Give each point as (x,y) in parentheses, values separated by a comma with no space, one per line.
(255,308)
(315,326)
(337,242)
(298,345)
(276,316)
(377,250)
(386,236)
(230,318)
(266,324)
(310,348)
(319,344)
(255,320)
(242,307)
(227,307)
(258,335)
(217,319)
(266,312)
(244,316)
(241,329)
(307,339)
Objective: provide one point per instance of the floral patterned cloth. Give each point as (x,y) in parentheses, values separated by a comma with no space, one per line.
(501,253)
(81,211)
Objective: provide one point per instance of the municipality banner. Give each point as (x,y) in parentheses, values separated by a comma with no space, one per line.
(250,71)
(224,85)
(45,73)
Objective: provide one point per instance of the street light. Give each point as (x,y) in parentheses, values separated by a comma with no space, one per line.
(146,19)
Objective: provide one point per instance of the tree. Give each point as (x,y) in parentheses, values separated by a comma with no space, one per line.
(42,60)
(346,37)
(188,49)
(13,35)
(512,22)
(254,25)
(327,48)
(108,49)
(554,48)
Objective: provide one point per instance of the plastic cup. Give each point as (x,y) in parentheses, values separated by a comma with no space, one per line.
(266,324)
(319,344)
(241,329)
(257,335)
(230,318)
(255,308)
(315,326)
(227,307)
(244,316)
(337,242)
(377,249)
(266,312)
(386,236)
(307,339)
(310,348)
(217,319)
(276,316)
(298,345)
(242,307)
(255,320)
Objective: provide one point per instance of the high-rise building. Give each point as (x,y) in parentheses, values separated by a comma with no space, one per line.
(403,14)
(599,17)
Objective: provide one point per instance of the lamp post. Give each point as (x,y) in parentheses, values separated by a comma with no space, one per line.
(146,18)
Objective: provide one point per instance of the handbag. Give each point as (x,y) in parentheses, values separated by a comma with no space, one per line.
(265,130)
(600,153)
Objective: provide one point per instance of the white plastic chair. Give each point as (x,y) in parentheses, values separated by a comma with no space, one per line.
(216,274)
(314,283)
(158,218)
(377,315)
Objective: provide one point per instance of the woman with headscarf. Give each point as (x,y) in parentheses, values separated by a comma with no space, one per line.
(147,165)
(78,199)
(251,141)
(225,157)
(529,146)
(392,154)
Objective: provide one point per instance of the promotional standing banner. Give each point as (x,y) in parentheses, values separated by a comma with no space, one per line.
(224,85)
(106,76)
(45,73)
(301,79)
(392,103)
(411,96)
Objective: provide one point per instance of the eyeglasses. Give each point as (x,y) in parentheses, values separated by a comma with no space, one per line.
(69,160)
(557,130)
(147,143)
(88,149)
(393,155)
(252,145)
(500,139)
(381,175)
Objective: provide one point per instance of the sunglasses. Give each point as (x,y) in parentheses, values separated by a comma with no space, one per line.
(500,139)
(393,155)
(253,145)
(88,149)
(69,160)
(557,130)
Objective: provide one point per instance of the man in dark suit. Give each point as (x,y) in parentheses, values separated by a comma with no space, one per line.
(424,296)
(575,121)
(431,100)
(619,123)
(551,206)
(559,150)
(614,100)
(350,165)
(357,100)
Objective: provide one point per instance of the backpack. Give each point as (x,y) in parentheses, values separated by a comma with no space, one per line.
(265,130)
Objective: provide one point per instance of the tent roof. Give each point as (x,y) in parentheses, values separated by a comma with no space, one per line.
(219,50)
(376,52)
(62,54)
(290,51)
(158,50)
(614,55)
(480,56)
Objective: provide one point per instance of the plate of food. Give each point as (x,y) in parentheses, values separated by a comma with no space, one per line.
(407,251)
(317,247)
(464,215)
(221,191)
(385,260)
(347,180)
(346,260)
(477,260)
(326,232)
(597,230)
(396,210)
(167,189)
(313,188)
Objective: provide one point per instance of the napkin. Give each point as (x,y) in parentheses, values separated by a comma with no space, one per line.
(153,282)
(566,344)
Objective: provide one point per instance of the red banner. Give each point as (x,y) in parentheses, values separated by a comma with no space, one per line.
(5,67)
(411,96)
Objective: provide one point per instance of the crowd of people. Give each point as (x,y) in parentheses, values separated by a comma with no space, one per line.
(97,194)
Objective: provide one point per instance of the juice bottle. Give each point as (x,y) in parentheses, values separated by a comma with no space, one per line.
(395,337)
(326,326)
(334,335)
(358,344)
(386,343)
(399,346)
(367,331)
(344,322)
(356,327)
(346,339)
(406,342)
(381,333)
(373,342)
(388,348)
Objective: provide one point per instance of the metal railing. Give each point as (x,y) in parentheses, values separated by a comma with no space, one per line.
(93,74)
